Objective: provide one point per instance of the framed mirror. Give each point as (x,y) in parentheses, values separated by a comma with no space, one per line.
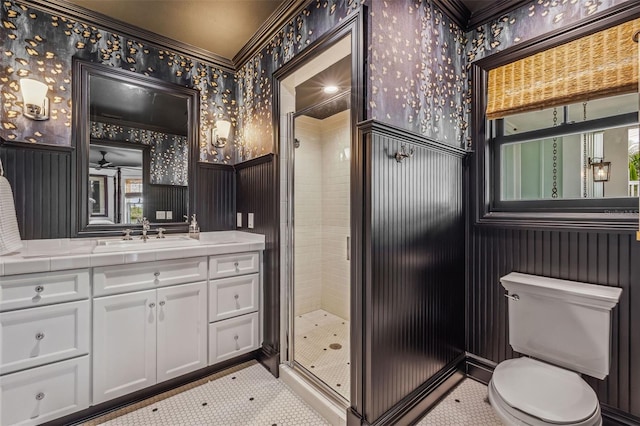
(136,150)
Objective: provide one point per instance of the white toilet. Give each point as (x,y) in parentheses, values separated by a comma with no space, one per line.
(564,327)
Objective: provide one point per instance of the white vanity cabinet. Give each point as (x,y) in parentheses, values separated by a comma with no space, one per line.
(145,337)
(44,345)
(121,322)
(234,302)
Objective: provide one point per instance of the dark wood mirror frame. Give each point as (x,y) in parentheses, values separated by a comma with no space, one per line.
(81,130)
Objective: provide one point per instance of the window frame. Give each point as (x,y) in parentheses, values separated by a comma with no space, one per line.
(604,213)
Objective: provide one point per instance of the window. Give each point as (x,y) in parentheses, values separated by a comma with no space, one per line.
(517,139)
(579,151)
(133,200)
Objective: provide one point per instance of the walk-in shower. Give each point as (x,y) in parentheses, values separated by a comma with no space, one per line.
(315,149)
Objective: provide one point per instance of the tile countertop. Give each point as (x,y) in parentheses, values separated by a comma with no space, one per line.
(60,254)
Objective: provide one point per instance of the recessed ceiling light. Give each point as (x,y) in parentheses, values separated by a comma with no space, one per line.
(330,89)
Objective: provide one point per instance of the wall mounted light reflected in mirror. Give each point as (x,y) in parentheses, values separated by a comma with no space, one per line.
(34,98)
(601,169)
(220,133)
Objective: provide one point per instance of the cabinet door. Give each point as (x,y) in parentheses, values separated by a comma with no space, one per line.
(124,344)
(182,329)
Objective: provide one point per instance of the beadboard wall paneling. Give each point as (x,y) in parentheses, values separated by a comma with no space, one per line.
(594,257)
(414,286)
(257,193)
(166,198)
(215,199)
(41,183)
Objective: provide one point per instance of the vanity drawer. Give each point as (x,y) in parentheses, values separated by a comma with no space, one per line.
(37,395)
(142,276)
(233,337)
(234,264)
(32,337)
(25,291)
(230,297)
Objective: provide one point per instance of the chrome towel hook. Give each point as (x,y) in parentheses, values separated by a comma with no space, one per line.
(402,154)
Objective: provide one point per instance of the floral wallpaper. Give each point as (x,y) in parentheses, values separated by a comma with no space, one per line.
(416,76)
(532,20)
(417,70)
(169,153)
(254,135)
(39,45)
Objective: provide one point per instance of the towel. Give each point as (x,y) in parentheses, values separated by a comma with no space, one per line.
(9,234)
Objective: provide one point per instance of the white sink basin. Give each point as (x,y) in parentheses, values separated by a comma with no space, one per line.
(107,246)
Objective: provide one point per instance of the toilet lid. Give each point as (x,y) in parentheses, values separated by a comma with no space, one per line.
(550,393)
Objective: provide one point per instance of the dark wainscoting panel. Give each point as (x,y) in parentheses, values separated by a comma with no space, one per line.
(40,177)
(594,257)
(414,273)
(166,197)
(215,197)
(257,193)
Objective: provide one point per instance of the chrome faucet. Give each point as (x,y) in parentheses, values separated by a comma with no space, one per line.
(145,229)
(161,232)
(127,235)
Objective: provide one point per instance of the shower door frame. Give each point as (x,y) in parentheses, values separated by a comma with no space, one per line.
(353,26)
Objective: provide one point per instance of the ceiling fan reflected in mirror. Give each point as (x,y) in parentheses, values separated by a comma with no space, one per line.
(103,162)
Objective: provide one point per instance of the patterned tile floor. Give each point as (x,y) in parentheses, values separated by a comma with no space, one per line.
(322,347)
(466,405)
(244,396)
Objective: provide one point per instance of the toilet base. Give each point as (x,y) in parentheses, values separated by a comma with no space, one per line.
(513,417)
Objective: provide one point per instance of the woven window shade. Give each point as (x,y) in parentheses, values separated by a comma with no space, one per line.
(599,65)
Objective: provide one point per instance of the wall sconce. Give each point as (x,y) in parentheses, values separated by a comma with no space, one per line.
(34,99)
(220,133)
(601,169)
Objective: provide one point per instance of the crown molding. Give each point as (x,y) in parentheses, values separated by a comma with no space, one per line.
(108,23)
(286,11)
(456,10)
(494,11)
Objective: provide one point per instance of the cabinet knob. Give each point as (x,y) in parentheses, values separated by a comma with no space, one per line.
(39,289)
(236,297)
(236,264)
(39,336)
(156,274)
(40,396)
(235,337)
(152,305)
(162,303)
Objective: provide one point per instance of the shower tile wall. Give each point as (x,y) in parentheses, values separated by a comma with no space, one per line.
(322,214)
(336,143)
(307,221)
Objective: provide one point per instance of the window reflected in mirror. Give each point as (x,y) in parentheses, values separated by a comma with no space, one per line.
(120,172)
(580,151)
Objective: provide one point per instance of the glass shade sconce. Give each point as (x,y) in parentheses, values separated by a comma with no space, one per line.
(220,133)
(34,99)
(601,169)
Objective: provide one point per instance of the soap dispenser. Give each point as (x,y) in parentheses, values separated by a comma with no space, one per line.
(194,229)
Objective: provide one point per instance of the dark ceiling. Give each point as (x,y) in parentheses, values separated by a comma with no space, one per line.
(310,95)
(112,101)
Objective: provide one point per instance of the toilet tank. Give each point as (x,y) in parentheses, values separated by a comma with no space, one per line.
(566,323)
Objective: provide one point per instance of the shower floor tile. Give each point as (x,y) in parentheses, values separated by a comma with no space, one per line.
(466,405)
(245,395)
(322,347)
